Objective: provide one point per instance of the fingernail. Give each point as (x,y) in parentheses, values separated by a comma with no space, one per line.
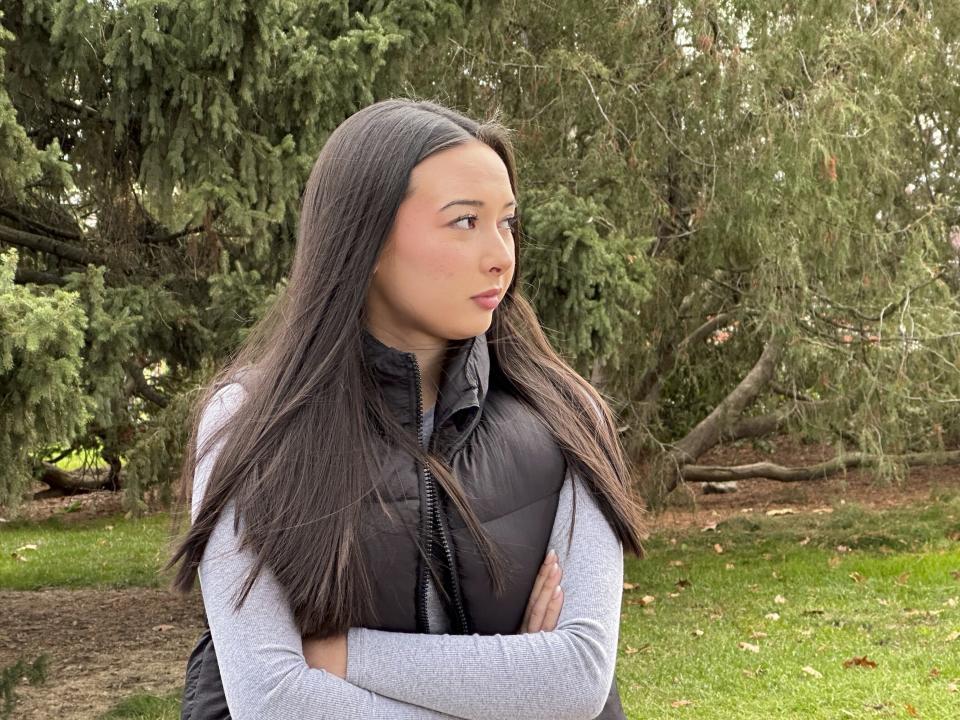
(556,590)
(552,554)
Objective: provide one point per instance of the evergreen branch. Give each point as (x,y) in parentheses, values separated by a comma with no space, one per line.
(889,307)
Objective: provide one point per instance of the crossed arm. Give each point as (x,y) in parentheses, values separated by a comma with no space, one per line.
(566,673)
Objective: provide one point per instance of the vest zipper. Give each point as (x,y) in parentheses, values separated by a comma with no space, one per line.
(433,513)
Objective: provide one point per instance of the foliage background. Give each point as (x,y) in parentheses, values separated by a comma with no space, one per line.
(740,215)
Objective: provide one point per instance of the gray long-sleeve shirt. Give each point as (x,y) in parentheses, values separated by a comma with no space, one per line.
(566,673)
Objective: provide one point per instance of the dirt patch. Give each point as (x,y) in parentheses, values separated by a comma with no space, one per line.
(103,646)
(74,508)
(689,506)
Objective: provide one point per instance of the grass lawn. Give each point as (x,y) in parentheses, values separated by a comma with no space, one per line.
(761,618)
(103,552)
(845,614)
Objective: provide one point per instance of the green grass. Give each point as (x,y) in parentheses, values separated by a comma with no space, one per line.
(146,707)
(103,552)
(891,596)
(901,622)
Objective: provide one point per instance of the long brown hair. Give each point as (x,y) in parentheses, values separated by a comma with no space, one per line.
(299,455)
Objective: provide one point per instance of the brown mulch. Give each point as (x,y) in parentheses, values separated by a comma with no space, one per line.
(102,646)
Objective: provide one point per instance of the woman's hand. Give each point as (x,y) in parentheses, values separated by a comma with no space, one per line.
(546,600)
(328,654)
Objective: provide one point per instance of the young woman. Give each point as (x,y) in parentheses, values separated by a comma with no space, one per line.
(376,476)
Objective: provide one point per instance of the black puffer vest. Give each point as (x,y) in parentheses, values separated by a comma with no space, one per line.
(512,472)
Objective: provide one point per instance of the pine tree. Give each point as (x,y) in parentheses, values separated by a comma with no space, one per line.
(152,155)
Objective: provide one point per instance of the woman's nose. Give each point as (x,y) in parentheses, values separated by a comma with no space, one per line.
(501,253)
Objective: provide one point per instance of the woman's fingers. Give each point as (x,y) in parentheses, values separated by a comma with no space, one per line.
(552,615)
(542,577)
(547,594)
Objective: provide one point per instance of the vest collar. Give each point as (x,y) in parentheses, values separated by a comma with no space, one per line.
(463,384)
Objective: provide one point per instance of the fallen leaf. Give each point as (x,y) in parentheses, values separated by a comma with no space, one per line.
(630,651)
(804,541)
(682,583)
(673,594)
(812,671)
(953,636)
(833,561)
(859,662)
(912,711)
(681,703)
(857,577)
(950,602)
(676,563)
(781,511)
(934,672)
(902,578)
(717,548)
(758,634)
(729,566)
(26,547)
(748,646)
(709,526)
(647,599)
(951,687)
(629,585)
(163,628)
(820,511)
(780,599)
(842,549)
(696,632)
(772,616)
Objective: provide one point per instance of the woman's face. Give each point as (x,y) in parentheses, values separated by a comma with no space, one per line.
(452,239)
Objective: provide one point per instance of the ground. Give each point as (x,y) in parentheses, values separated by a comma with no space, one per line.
(105,645)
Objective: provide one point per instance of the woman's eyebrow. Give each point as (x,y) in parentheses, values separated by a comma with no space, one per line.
(474,203)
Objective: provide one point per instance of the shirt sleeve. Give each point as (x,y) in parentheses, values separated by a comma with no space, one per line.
(565,673)
(259,648)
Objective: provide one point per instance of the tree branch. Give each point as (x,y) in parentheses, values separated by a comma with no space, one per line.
(41,243)
(142,387)
(781,473)
(23,276)
(708,431)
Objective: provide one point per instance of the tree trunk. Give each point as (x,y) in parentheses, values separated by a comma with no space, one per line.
(668,469)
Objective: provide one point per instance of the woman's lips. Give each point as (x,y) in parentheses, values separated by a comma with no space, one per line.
(488,302)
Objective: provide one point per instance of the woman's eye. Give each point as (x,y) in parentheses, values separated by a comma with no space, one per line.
(509,223)
(472,218)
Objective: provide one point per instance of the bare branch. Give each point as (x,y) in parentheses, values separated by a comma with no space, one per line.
(708,431)
(781,473)
(142,387)
(41,243)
